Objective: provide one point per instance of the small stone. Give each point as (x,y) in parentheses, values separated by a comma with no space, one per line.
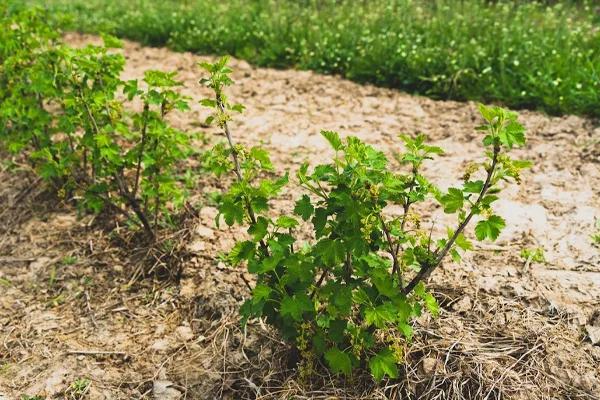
(39,263)
(208,214)
(197,246)
(162,390)
(188,288)
(205,232)
(184,333)
(429,365)
(161,345)
(593,333)
(463,305)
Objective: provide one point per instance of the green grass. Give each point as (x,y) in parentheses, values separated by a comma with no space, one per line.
(519,53)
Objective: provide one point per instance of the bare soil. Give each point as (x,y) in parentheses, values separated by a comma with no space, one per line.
(509,328)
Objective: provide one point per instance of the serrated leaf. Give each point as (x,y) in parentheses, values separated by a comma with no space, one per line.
(453,201)
(333,138)
(261,155)
(342,300)
(489,199)
(304,208)
(241,251)
(338,361)
(433,150)
(431,304)
(232,212)
(260,293)
(111,42)
(286,222)
(512,134)
(259,229)
(473,187)
(296,306)
(382,364)
(455,255)
(489,228)
(463,242)
(332,252)
(208,103)
(486,112)
(520,164)
(336,331)
(406,329)
(381,315)
(238,108)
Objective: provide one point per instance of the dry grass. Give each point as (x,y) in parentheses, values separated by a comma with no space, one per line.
(494,349)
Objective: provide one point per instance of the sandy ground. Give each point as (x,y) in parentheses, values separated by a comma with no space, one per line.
(509,328)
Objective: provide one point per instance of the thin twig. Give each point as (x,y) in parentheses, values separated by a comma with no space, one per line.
(393,251)
(237,166)
(426,270)
(96,352)
(142,145)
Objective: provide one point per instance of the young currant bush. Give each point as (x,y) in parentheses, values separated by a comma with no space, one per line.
(62,107)
(26,80)
(342,297)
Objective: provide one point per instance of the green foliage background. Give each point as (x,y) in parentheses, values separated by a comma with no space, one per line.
(541,55)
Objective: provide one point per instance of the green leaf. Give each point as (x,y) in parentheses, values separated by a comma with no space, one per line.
(304,208)
(512,134)
(428,298)
(473,187)
(259,229)
(238,108)
(489,228)
(342,300)
(231,211)
(262,156)
(267,264)
(433,150)
(431,304)
(384,283)
(332,252)
(286,222)
(243,250)
(455,255)
(463,242)
(521,164)
(381,315)
(260,293)
(333,138)
(382,364)
(208,103)
(338,361)
(336,331)
(406,330)
(296,306)
(486,112)
(111,42)
(453,201)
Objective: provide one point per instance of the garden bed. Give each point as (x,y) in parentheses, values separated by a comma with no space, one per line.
(511,325)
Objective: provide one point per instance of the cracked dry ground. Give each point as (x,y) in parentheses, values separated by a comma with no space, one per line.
(509,327)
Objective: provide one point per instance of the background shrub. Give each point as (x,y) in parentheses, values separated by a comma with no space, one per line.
(66,110)
(524,54)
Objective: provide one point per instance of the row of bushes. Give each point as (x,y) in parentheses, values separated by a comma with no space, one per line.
(524,54)
(348,295)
